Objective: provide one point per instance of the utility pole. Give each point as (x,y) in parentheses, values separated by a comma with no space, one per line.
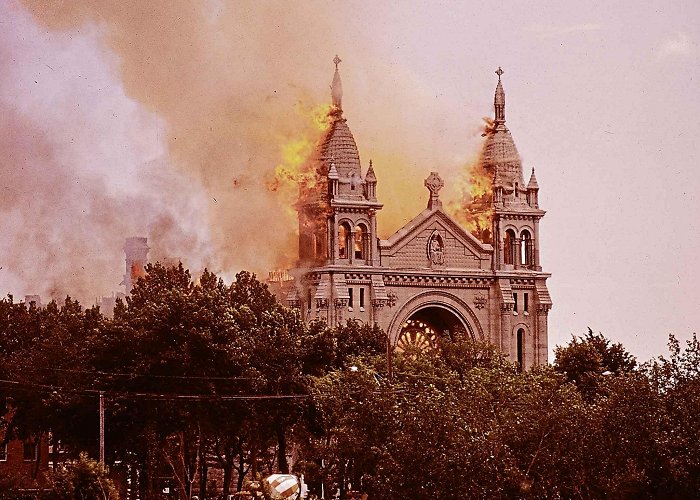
(102,428)
(389,367)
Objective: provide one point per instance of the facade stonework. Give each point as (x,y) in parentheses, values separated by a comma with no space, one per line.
(432,278)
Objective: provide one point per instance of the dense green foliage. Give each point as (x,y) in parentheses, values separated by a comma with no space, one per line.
(199,374)
(80,479)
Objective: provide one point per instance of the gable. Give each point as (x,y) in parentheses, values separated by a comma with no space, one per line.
(454,248)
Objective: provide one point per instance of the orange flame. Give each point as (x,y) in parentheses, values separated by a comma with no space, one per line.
(297,170)
(474,208)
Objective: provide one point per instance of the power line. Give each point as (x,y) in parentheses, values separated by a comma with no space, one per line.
(172,397)
(146,375)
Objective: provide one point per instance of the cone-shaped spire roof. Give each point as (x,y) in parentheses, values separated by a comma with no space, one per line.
(339,145)
(533,181)
(499,154)
(332,171)
(369,176)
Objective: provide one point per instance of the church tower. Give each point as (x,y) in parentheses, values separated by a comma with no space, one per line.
(516,211)
(516,217)
(337,220)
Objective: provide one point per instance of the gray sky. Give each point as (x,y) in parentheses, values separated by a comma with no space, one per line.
(601,100)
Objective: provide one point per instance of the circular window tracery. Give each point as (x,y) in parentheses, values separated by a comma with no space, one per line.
(416,336)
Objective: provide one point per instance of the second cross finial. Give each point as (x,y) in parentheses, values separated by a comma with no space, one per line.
(337,60)
(434,183)
(499,71)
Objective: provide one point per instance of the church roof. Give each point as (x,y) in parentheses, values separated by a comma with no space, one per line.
(499,154)
(339,144)
(339,147)
(434,183)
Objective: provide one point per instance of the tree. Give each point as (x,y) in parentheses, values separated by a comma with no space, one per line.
(677,380)
(80,479)
(588,358)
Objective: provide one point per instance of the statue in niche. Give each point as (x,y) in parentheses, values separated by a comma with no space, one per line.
(436,250)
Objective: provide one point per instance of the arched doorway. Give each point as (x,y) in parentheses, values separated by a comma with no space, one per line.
(426,328)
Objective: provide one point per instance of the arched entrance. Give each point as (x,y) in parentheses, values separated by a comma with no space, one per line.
(426,328)
(439,311)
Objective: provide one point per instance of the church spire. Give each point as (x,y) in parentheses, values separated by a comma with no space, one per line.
(337,86)
(499,100)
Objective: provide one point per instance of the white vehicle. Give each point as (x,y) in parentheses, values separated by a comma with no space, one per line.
(287,486)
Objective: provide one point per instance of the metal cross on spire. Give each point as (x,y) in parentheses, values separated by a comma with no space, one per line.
(499,71)
(337,60)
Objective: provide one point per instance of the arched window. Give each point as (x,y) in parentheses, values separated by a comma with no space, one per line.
(343,240)
(360,242)
(509,244)
(520,350)
(525,249)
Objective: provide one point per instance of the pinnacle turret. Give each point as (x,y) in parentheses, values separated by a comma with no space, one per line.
(369,176)
(533,181)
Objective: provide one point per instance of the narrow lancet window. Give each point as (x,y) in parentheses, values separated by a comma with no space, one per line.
(525,249)
(509,247)
(360,241)
(343,243)
(520,351)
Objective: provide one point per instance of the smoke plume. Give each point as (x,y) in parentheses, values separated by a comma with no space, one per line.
(167,119)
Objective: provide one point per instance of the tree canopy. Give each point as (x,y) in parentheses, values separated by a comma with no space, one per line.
(199,374)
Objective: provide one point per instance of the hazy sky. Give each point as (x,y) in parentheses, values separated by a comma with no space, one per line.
(167,119)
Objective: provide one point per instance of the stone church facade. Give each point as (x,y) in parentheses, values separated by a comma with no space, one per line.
(432,278)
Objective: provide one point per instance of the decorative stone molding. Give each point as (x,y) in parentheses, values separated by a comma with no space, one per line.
(321,303)
(480,301)
(340,303)
(506,308)
(438,281)
(543,309)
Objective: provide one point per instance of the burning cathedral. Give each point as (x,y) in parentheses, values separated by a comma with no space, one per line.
(433,279)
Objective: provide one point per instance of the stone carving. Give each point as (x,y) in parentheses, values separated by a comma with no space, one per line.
(434,183)
(321,303)
(480,301)
(436,249)
(543,309)
(392,299)
(379,303)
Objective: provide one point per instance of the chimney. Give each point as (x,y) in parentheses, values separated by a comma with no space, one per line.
(28,299)
(136,251)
